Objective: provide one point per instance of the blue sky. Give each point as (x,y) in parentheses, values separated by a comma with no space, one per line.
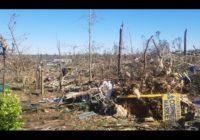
(44,27)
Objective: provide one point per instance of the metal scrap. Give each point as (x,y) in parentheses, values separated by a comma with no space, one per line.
(86,114)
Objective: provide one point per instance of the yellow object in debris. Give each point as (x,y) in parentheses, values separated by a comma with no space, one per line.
(171,107)
(143,96)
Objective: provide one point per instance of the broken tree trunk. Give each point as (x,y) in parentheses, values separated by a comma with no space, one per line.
(42,82)
(37,79)
(60,68)
(145,51)
(158,51)
(185,42)
(37,72)
(109,62)
(41,79)
(132,56)
(102,72)
(120,48)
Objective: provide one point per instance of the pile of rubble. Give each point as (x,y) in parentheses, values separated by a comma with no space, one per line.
(103,96)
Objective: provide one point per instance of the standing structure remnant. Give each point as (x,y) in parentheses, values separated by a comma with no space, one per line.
(120,49)
(185,42)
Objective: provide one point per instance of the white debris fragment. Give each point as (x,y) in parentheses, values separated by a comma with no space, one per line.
(107,89)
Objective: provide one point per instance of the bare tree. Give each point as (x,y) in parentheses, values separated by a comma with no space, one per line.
(132,56)
(157,49)
(194,47)
(131,43)
(60,66)
(11,27)
(91,21)
(89,31)
(120,48)
(177,42)
(74,51)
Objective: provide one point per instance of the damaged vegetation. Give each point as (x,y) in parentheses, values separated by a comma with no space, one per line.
(112,91)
